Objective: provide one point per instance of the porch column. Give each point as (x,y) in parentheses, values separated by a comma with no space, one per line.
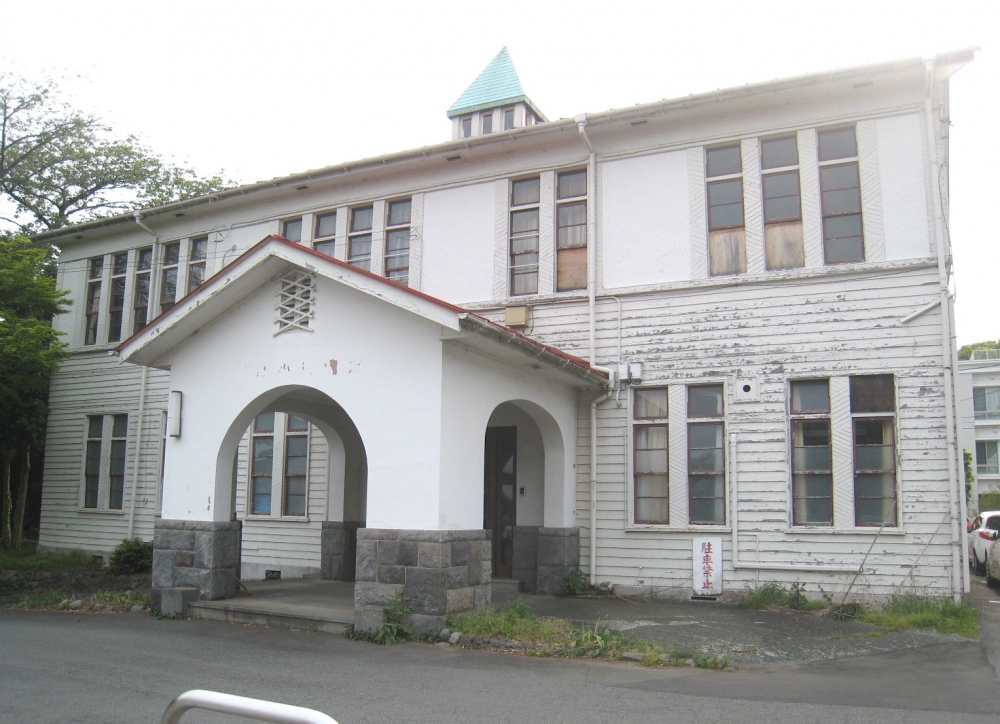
(195,554)
(557,554)
(439,572)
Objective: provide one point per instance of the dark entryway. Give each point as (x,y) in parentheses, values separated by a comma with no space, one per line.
(500,504)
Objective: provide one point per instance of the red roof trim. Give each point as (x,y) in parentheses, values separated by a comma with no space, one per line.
(573,359)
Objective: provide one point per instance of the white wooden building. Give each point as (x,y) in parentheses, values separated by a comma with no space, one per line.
(723,318)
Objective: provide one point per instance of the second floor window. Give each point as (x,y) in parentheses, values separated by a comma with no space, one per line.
(359,241)
(524,214)
(571,230)
(292,229)
(397,242)
(326,229)
(95,270)
(119,271)
(779,161)
(726,232)
(196,264)
(840,191)
(168,275)
(987,462)
(140,296)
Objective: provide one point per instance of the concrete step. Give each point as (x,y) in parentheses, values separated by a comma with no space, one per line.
(505,587)
(331,621)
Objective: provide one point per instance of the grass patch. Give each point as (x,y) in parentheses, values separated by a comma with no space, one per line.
(773,593)
(913,611)
(514,621)
(60,599)
(44,599)
(30,560)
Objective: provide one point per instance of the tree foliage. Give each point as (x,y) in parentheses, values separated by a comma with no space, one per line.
(59,166)
(965,352)
(29,352)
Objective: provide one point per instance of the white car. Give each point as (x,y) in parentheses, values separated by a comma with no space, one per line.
(981,535)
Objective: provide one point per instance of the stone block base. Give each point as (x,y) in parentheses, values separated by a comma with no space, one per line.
(558,553)
(338,550)
(195,554)
(526,557)
(439,573)
(174,601)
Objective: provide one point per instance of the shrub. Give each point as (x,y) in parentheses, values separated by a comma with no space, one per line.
(132,555)
(576,583)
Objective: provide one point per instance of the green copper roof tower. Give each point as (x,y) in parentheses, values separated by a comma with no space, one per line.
(498,85)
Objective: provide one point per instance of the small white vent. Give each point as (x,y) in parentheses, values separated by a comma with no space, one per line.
(295,301)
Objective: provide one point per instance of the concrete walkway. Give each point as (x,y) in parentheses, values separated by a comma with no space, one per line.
(750,638)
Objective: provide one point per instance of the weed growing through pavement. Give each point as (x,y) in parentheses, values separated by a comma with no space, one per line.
(773,593)
(915,611)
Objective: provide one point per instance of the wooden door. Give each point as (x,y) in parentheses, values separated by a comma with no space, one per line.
(500,504)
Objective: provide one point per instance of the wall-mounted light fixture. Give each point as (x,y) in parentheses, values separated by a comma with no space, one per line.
(174,413)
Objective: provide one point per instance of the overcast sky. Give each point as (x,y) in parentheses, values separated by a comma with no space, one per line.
(262,89)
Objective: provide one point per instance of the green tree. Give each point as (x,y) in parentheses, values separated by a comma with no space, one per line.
(965,352)
(29,352)
(59,166)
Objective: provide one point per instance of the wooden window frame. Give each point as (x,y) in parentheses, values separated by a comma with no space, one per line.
(784,246)
(357,234)
(515,267)
(325,243)
(638,423)
(118,453)
(93,456)
(169,265)
(259,433)
(727,253)
(486,123)
(889,420)
(570,259)
(287,224)
(197,263)
(116,306)
(842,161)
(143,278)
(698,420)
(293,433)
(800,417)
(399,274)
(508,118)
(465,127)
(92,310)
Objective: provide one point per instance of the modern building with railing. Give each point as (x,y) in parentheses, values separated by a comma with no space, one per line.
(979,416)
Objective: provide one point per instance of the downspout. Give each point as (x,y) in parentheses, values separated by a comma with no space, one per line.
(947,348)
(581,123)
(142,411)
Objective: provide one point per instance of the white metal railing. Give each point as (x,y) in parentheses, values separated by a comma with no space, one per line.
(259,709)
(985,354)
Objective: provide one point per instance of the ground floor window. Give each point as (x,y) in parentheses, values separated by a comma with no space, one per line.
(105,449)
(277,456)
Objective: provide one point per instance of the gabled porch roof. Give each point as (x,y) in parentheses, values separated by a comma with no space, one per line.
(274,256)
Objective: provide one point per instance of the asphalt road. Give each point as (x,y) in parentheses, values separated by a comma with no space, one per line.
(62,667)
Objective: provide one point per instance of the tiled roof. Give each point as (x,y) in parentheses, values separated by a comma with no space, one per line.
(497,85)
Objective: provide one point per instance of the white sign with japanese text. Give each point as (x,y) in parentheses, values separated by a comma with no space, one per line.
(707,566)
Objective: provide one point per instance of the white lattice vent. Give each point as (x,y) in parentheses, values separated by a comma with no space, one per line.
(296,293)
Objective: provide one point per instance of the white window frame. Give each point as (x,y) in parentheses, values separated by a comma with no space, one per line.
(279,434)
(104,474)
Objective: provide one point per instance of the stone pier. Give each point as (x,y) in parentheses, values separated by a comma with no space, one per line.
(195,554)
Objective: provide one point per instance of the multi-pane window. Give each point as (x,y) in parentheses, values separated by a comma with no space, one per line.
(116,310)
(986,403)
(987,462)
(571,230)
(262,460)
(296,465)
(105,463)
(140,297)
(706,455)
(873,407)
(779,161)
(487,123)
(840,189)
(196,263)
(649,456)
(168,275)
(291,229)
(397,242)
(95,269)
(116,477)
(359,240)
(524,215)
(726,232)
(467,127)
(92,463)
(508,119)
(812,467)
(326,229)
